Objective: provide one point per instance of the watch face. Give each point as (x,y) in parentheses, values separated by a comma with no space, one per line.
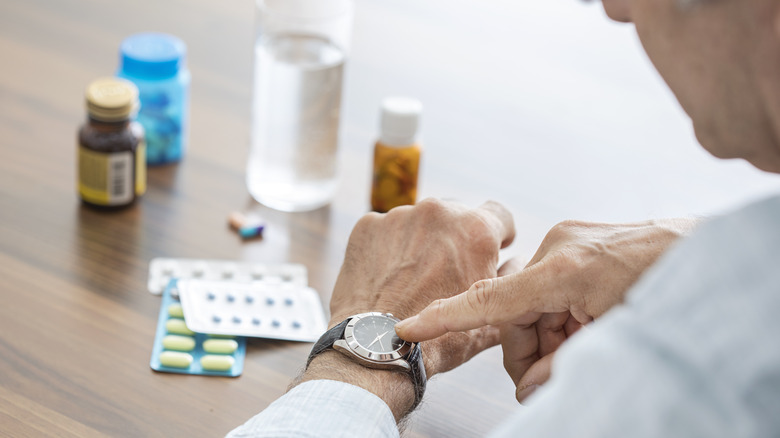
(376,333)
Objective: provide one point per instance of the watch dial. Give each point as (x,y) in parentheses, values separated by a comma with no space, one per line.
(377,334)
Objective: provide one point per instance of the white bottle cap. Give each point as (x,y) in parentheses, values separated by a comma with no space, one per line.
(399,121)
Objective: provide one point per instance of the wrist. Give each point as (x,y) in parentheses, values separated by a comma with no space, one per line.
(393,387)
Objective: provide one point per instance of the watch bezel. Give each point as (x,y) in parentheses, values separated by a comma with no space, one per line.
(364,353)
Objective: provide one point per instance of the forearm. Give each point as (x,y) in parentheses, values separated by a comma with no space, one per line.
(393,387)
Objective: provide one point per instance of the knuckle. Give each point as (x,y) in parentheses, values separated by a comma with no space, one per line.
(400,210)
(562,229)
(479,299)
(367,221)
(430,207)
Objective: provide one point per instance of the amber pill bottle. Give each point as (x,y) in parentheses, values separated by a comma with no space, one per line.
(396,155)
(111,148)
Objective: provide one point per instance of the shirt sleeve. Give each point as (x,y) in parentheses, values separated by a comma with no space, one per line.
(322,408)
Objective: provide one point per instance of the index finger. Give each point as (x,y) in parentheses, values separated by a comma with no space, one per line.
(487,302)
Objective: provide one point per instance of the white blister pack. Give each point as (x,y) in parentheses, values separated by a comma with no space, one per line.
(162,270)
(274,310)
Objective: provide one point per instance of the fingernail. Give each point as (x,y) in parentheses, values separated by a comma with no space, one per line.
(525,392)
(403,325)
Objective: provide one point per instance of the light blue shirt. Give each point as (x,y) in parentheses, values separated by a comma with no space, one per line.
(693,352)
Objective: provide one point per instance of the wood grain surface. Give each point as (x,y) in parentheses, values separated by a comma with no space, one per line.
(514,111)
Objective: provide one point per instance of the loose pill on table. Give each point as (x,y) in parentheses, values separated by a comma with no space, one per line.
(220,346)
(178,343)
(175,311)
(212,362)
(177,326)
(175,359)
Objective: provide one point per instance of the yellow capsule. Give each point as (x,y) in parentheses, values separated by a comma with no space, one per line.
(220,346)
(175,359)
(216,362)
(178,327)
(175,311)
(178,343)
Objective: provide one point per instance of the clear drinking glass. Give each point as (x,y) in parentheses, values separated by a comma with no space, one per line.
(300,50)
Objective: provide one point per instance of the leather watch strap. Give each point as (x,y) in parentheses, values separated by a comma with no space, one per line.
(327,339)
(417,372)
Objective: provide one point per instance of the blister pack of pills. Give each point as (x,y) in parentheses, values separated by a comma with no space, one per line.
(162,270)
(275,310)
(178,349)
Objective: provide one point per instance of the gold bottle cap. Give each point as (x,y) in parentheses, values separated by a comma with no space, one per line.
(111,99)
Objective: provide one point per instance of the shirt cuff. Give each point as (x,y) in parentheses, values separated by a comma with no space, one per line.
(322,408)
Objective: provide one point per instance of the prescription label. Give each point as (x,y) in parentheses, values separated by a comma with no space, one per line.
(140,168)
(106,178)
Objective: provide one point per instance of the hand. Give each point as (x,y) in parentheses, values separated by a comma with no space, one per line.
(401,261)
(579,272)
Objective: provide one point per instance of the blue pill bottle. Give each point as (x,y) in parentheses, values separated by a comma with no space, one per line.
(156,64)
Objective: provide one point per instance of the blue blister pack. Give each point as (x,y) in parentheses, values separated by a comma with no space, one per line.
(177,349)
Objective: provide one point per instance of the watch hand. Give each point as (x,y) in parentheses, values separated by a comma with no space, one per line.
(377,339)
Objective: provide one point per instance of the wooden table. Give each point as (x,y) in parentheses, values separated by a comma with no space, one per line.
(546,108)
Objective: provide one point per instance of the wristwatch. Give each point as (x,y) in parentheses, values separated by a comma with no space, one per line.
(370,340)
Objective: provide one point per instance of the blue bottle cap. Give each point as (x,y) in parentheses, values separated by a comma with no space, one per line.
(152,55)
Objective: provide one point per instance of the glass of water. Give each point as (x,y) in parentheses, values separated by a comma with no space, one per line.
(300,50)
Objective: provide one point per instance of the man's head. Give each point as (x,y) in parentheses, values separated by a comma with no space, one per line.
(721,58)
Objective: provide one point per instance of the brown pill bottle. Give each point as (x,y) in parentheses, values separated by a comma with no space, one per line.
(396,155)
(111,147)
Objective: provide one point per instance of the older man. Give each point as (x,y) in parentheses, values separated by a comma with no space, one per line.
(691,349)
